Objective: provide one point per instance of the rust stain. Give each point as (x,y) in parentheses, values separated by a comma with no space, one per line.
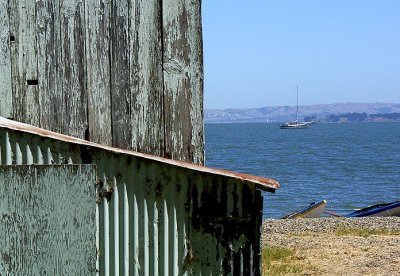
(262,183)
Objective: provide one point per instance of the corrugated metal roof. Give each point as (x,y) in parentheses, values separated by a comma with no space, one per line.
(263,183)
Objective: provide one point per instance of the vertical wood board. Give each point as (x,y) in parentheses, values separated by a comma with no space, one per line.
(48,220)
(147,77)
(120,74)
(195,39)
(5,62)
(24,61)
(72,16)
(49,65)
(183,80)
(97,17)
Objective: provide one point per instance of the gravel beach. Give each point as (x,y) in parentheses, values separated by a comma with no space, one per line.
(325,253)
(320,225)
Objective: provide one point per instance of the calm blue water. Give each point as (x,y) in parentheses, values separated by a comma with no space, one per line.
(350,165)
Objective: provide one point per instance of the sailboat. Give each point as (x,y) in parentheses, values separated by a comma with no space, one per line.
(295,124)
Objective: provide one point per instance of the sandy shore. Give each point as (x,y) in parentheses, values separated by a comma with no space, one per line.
(323,252)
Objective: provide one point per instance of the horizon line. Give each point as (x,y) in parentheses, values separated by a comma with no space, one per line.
(337,103)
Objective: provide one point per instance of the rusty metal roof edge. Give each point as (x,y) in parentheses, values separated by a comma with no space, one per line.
(262,183)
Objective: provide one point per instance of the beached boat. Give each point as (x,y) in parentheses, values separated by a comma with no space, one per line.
(296,124)
(314,210)
(378,210)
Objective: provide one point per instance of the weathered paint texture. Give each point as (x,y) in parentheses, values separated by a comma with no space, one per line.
(47,220)
(24,61)
(183,78)
(6,107)
(49,65)
(126,73)
(154,215)
(98,72)
(147,78)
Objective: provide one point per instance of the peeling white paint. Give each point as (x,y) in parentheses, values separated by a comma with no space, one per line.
(48,220)
(156,214)
(126,73)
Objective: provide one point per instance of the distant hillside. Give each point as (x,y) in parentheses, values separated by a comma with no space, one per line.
(363,117)
(288,113)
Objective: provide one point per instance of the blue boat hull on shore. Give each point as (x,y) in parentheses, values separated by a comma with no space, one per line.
(379,210)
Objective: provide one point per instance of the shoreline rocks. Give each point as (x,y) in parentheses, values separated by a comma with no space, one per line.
(321,225)
(319,251)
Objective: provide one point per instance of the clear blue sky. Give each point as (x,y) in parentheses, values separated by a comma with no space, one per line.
(256,52)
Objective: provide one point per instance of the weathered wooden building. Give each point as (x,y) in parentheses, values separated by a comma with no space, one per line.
(126,73)
(149,216)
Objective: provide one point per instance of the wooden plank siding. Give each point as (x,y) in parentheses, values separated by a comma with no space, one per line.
(50,65)
(73,67)
(147,78)
(5,62)
(120,74)
(24,61)
(126,73)
(183,79)
(98,71)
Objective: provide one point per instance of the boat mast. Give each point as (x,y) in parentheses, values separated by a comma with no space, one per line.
(297,106)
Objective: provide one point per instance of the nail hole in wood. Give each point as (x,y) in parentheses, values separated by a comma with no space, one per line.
(12,38)
(32,82)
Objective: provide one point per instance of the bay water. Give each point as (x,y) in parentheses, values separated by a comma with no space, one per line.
(350,165)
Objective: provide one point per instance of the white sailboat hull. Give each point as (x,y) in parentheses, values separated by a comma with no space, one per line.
(293,125)
(315,210)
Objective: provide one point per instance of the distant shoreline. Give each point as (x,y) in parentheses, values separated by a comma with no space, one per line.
(342,112)
(275,123)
